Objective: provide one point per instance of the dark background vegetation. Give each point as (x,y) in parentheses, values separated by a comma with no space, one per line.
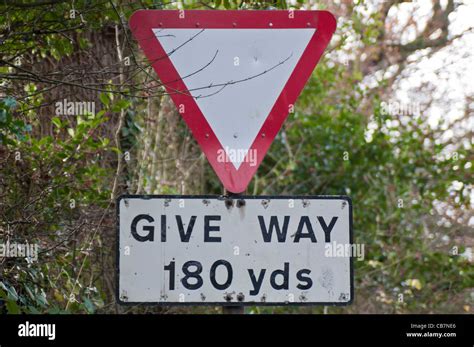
(60,175)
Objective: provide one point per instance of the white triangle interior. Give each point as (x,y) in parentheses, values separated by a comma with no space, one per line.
(235,76)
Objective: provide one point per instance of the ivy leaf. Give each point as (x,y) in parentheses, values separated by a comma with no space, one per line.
(104,99)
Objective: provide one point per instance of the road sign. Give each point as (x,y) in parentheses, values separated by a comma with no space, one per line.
(234,76)
(250,250)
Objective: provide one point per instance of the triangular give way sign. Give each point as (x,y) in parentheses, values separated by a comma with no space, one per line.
(234,76)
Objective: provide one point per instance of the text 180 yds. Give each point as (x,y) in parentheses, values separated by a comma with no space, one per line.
(193,278)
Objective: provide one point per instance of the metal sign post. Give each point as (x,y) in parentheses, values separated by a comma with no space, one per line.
(237,309)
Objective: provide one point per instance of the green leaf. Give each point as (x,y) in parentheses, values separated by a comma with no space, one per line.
(104,99)
(9,102)
(121,105)
(89,306)
(12,307)
(57,122)
(3,116)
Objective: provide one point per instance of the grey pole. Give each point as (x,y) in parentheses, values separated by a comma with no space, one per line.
(232,309)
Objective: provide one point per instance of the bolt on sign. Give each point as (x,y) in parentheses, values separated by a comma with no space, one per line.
(244,250)
(234,76)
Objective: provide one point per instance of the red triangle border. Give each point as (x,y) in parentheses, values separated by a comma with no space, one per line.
(143,21)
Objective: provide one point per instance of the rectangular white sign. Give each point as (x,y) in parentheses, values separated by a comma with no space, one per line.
(255,250)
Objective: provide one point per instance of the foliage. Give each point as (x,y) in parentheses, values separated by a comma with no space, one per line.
(57,173)
(394,175)
(65,176)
